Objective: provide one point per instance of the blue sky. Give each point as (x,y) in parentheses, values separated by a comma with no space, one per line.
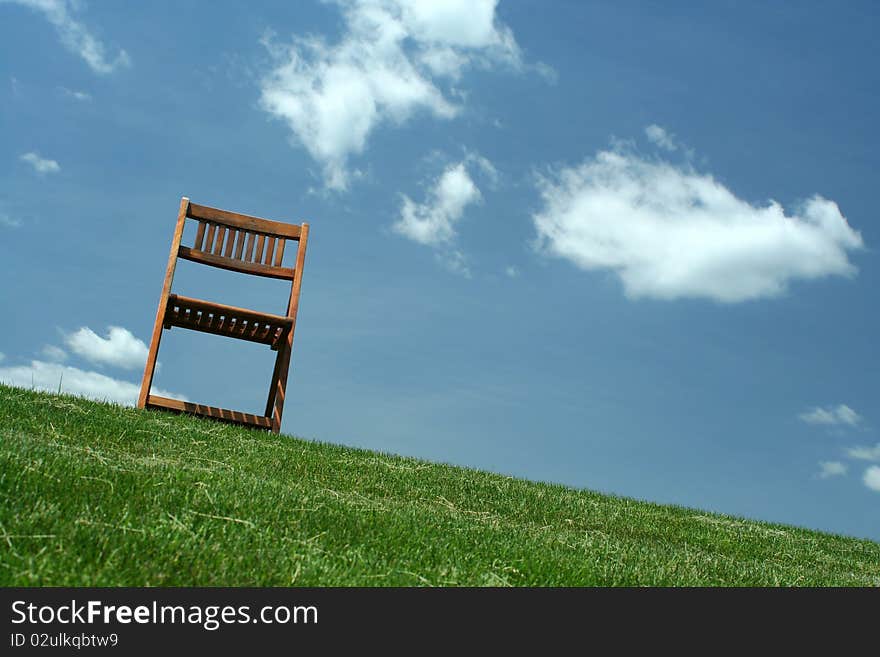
(621,246)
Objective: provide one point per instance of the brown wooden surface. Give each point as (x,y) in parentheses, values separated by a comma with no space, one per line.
(270,251)
(256,224)
(230,242)
(225,415)
(235,265)
(223,309)
(209,239)
(218,245)
(200,235)
(258,253)
(242,234)
(220,319)
(279,253)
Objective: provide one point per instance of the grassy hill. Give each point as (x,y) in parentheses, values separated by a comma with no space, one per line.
(99,495)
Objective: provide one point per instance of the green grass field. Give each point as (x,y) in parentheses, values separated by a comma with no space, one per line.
(99,495)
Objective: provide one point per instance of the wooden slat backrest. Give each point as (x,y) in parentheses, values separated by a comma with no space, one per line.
(239,242)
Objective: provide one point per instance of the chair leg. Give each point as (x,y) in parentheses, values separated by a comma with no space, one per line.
(150,366)
(278,387)
(273,386)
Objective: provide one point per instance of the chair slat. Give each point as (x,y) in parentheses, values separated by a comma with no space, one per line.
(279,253)
(239,246)
(249,251)
(218,245)
(270,250)
(209,240)
(200,236)
(230,242)
(258,254)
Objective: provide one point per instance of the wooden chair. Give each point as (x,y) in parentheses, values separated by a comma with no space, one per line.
(244,244)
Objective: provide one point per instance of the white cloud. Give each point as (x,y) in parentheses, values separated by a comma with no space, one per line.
(40,165)
(832,416)
(483,165)
(119,348)
(452,23)
(550,74)
(872,478)
(511,271)
(669,232)
(11,222)
(53,354)
(41,375)
(455,261)
(75,36)
(660,137)
(81,96)
(433,222)
(864,453)
(831,469)
(382,70)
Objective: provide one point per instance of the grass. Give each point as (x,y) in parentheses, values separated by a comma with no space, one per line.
(99,495)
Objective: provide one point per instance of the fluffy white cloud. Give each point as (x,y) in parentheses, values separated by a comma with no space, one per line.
(831,469)
(119,348)
(660,137)
(40,165)
(382,70)
(41,375)
(872,478)
(433,222)
(864,453)
(832,415)
(511,271)
(670,232)
(75,36)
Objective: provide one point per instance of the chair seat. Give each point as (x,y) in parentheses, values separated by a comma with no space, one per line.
(219,319)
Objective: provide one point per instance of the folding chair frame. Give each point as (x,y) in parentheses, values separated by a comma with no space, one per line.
(246,244)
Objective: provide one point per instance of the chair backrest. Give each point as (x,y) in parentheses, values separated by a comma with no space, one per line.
(239,242)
